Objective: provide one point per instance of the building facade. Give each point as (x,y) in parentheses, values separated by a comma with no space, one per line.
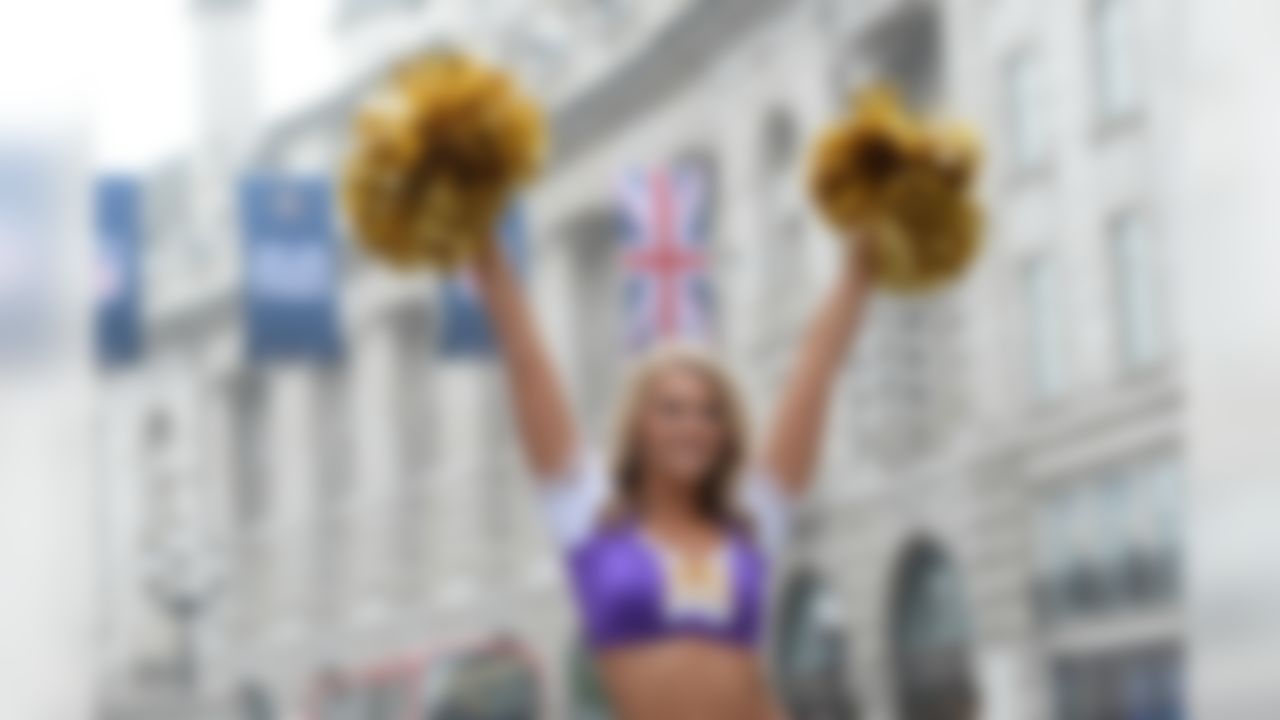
(1002,513)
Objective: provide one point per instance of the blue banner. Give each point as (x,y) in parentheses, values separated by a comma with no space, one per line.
(464,331)
(291,269)
(118,222)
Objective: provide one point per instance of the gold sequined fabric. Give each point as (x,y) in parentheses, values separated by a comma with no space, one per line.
(437,154)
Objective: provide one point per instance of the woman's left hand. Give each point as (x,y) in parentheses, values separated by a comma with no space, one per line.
(860,259)
(792,445)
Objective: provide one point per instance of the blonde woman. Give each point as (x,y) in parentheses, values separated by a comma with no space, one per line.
(670,545)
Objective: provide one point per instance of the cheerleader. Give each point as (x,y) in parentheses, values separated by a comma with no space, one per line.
(671,539)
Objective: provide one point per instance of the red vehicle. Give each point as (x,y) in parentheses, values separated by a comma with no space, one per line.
(493,680)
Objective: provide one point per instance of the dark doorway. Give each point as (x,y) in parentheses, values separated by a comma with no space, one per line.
(931,638)
(589,700)
(812,653)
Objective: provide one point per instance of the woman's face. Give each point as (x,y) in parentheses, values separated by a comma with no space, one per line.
(682,426)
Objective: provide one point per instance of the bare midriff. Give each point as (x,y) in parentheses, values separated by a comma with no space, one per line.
(687,679)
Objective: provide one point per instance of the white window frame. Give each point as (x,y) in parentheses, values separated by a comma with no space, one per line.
(1114,57)
(1140,332)
(1045,326)
(1025,117)
(333,405)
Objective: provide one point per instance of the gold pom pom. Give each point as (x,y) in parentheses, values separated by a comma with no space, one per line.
(438,152)
(904,186)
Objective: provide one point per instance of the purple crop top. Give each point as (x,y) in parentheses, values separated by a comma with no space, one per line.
(631,590)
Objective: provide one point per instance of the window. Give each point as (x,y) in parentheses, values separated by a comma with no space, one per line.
(779,261)
(1137,682)
(780,140)
(1158,547)
(931,636)
(1046,343)
(411,330)
(907,50)
(1052,553)
(1139,330)
(249,432)
(333,471)
(1111,543)
(497,682)
(597,279)
(702,169)
(1084,580)
(1115,535)
(1164,490)
(1113,49)
(365,700)
(812,653)
(251,493)
(588,694)
(255,701)
(1024,110)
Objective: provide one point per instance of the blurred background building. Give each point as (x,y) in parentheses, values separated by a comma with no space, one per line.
(1004,509)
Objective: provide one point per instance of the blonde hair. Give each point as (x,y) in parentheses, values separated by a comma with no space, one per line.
(715,498)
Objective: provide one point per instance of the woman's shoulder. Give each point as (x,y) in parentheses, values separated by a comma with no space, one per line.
(573,501)
(766,509)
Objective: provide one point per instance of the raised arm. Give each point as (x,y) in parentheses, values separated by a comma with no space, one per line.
(795,438)
(543,418)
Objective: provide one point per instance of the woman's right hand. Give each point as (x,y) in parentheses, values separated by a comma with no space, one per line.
(489,261)
(544,421)
(862,253)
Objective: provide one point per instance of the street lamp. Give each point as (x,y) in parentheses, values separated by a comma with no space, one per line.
(184,579)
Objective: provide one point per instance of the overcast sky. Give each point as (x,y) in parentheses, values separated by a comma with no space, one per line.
(123,71)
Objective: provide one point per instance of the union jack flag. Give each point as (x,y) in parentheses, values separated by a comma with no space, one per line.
(665,236)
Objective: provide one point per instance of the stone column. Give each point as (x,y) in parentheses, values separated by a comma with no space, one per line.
(287,524)
(371,426)
(456,490)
